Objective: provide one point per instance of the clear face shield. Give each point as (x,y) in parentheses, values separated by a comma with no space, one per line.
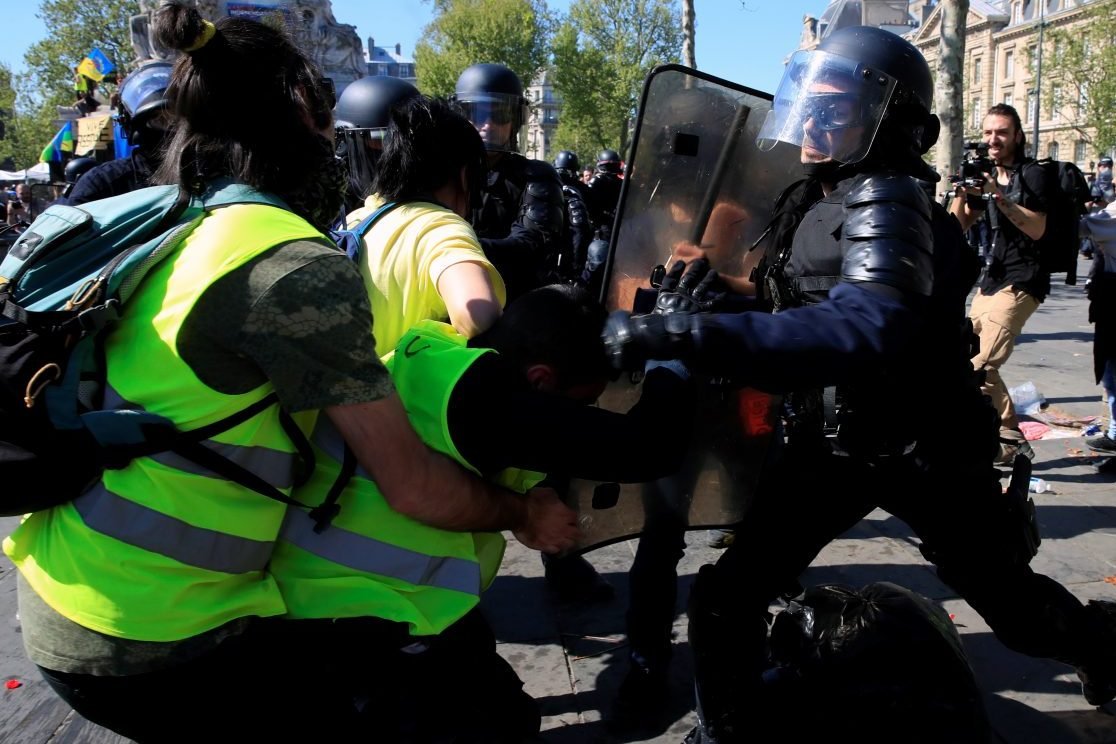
(144,85)
(830,106)
(359,148)
(498,118)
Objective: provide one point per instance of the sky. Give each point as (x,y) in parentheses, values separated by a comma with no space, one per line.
(744,42)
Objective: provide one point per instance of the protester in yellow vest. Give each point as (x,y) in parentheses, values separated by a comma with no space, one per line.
(144,601)
(421,259)
(510,404)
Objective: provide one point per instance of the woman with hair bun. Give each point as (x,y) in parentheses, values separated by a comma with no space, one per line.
(146,601)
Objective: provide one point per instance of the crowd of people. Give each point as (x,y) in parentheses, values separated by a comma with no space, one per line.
(440,376)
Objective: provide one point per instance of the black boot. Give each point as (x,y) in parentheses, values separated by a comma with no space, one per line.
(1098,678)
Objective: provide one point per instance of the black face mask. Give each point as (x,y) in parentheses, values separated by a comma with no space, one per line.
(320,199)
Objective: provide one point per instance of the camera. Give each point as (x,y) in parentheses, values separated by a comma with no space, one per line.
(976,168)
(14,200)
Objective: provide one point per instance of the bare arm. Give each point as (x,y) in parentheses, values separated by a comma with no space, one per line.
(429,488)
(1032,224)
(470,298)
(961,210)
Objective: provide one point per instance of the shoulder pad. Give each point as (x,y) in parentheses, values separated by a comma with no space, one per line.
(537,169)
(887,237)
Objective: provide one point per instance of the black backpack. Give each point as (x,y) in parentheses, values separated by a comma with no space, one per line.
(1068,197)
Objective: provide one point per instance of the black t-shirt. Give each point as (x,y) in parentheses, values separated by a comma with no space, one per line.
(1015,257)
(497,420)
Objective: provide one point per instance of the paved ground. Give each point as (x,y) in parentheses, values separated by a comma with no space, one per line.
(572,658)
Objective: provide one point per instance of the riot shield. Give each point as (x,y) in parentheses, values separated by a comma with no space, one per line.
(696,184)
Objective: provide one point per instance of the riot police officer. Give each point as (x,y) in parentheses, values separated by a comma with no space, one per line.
(362,115)
(871,279)
(143,117)
(520,219)
(577,210)
(604,190)
(73,172)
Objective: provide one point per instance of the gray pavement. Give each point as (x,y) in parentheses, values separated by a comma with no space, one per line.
(572,658)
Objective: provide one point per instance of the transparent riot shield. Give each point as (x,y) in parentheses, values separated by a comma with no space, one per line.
(696,184)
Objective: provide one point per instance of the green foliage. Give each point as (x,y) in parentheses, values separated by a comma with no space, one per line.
(74,28)
(1078,62)
(7,113)
(515,33)
(603,51)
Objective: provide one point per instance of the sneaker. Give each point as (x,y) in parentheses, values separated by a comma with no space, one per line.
(574,579)
(1103,443)
(1098,680)
(721,539)
(1008,451)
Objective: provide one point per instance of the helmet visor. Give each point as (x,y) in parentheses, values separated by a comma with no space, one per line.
(144,86)
(360,150)
(828,104)
(497,117)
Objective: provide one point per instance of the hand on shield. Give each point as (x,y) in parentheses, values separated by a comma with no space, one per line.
(691,287)
(549,525)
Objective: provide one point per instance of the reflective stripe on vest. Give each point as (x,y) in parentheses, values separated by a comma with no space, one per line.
(368,554)
(161,549)
(107,513)
(372,560)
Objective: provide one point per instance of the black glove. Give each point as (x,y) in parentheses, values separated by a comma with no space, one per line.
(633,339)
(693,288)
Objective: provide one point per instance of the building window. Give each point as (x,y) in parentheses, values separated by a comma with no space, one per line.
(1032,106)
(976,71)
(1056,102)
(1009,98)
(1079,151)
(1032,58)
(1052,151)
(1082,97)
(1009,64)
(977,113)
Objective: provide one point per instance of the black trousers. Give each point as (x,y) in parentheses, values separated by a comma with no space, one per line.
(950,497)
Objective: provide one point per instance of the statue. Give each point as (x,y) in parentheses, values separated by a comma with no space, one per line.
(809,38)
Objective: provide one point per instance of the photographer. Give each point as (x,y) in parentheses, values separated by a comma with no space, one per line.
(1014,282)
(21,206)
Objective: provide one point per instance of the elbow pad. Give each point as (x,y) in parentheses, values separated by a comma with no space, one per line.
(887,238)
(542,207)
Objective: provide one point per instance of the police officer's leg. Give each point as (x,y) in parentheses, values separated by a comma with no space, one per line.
(982,541)
(796,512)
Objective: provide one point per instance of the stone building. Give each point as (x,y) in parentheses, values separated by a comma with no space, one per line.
(1001,42)
(390,62)
(544,105)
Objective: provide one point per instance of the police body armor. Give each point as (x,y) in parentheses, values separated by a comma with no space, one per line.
(528,193)
(580,226)
(871,228)
(690,153)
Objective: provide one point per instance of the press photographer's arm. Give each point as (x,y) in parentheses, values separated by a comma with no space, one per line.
(1031,223)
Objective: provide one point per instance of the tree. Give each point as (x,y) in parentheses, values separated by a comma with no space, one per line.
(74,27)
(7,117)
(1079,75)
(603,51)
(515,33)
(689,55)
(950,85)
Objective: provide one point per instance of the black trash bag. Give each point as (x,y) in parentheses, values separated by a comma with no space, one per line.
(879,664)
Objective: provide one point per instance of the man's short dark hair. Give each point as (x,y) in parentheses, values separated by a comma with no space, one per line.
(1003,109)
(559,325)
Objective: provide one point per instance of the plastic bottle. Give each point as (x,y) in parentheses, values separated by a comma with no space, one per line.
(1026,398)
(1038,485)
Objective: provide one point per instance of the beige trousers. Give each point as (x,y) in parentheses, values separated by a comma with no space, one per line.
(998,319)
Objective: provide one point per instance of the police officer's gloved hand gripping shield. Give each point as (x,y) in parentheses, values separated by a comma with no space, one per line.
(673,329)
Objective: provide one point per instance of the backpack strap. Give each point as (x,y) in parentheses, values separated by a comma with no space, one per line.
(362,228)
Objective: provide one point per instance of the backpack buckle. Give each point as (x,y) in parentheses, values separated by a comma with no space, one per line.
(96,318)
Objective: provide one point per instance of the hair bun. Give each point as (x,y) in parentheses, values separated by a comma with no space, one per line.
(178,26)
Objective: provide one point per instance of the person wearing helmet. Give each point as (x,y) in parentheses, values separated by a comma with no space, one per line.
(604,189)
(144,118)
(362,116)
(74,170)
(520,215)
(1102,190)
(871,284)
(576,197)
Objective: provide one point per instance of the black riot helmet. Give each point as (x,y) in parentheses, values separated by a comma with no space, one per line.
(566,162)
(1105,162)
(864,94)
(74,170)
(608,161)
(362,116)
(493,94)
(143,96)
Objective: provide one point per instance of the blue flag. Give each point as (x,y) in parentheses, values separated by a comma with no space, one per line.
(96,65)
